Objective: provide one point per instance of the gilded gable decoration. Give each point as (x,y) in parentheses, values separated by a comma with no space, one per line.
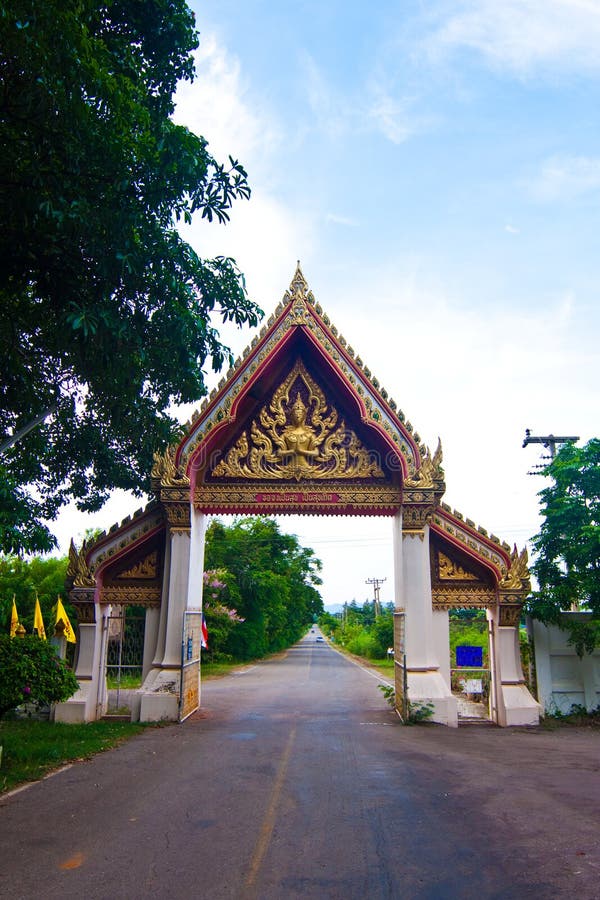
(78,571)
(517,577)
(143,570)
(450,570)
(165,469)
(430,473)
(298,436)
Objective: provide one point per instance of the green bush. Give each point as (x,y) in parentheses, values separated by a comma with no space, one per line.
(364,644)
(32,673)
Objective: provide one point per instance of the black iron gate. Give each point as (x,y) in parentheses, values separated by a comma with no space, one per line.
(125,649)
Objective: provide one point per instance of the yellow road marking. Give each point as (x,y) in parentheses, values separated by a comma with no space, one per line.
(264,838)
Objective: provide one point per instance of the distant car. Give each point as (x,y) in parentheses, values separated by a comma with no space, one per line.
(320,640)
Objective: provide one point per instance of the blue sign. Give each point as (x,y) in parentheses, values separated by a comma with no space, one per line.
(469,656)
(190,648)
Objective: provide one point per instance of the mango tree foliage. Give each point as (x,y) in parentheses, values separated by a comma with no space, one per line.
(106,314)
(567,562)
(271,583)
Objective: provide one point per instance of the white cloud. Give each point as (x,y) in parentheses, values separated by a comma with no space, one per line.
(566,177)
(336,219)
(511,229)
(218,106)
(522,35)
(377,105)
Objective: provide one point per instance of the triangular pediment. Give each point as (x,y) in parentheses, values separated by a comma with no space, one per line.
(354,446)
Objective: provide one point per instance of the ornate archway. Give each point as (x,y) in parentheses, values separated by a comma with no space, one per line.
(300,425)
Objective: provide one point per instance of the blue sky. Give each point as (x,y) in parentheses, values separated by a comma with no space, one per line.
(435,166)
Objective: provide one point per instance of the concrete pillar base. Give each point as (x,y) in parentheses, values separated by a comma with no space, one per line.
(159,696)
(81,707)
(430,687)
(517,706)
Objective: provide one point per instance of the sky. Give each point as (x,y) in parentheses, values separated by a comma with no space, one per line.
(435,167)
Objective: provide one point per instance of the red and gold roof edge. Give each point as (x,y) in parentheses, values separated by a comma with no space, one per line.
(474,540)
(298,307)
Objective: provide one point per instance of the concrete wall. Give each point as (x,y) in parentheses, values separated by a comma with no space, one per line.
(563,679)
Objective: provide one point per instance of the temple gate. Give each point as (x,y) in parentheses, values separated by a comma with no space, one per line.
(299,425)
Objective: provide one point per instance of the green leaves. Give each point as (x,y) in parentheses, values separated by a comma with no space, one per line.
(32,672)
(103,306)
(567,564)
(271,582)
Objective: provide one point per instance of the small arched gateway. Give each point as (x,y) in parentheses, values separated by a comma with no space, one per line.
(299,425)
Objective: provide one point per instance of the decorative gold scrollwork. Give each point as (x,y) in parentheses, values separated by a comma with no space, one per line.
(298,437)
(517,577)
(430,473)
(165,470)
(78,570)
(451,571)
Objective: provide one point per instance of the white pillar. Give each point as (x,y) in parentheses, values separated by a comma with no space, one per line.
(197,542)
(398,563)
(420,653)
(515,705)
(89,702)
(178,594)
(426,684)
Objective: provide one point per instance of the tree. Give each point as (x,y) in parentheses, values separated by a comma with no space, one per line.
(567,564)
(32,672)
(27,579)
(105,312)
(271,584)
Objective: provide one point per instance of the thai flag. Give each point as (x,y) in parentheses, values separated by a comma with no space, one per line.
(204,641)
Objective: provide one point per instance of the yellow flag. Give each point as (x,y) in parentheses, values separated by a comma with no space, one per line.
(38,622)
(14,619)
(61,616)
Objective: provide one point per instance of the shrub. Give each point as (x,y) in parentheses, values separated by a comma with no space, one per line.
(32,673)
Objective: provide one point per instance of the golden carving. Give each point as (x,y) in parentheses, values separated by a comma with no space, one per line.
(86,611)
(451,571)
(178,515)
(295,441)
(430,473)
(462,597)
(77,567)
(509,616)
(367,498)
(415,517)
(165,469)
(131,595)
(517,577)
(146,568)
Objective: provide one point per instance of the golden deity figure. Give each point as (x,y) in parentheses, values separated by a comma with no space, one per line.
(299,439)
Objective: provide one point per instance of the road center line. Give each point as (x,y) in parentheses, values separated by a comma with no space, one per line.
(266,831)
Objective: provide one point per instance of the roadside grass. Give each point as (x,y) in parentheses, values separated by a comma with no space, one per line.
(32,748)
(578,715)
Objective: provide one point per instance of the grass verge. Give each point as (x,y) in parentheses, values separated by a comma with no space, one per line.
(31,749)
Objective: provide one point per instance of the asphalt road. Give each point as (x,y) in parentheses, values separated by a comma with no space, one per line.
(296,780)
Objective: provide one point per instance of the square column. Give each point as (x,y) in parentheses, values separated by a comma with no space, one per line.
(426,684)
(514,703)
(161,688)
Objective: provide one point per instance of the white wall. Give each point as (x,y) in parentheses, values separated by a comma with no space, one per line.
(563,679)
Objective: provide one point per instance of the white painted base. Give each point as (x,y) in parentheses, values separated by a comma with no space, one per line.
(160,696)
(81,707)
(430,687)
(517,706)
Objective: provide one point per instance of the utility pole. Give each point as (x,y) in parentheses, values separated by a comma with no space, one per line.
(549,441)
(376,604)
